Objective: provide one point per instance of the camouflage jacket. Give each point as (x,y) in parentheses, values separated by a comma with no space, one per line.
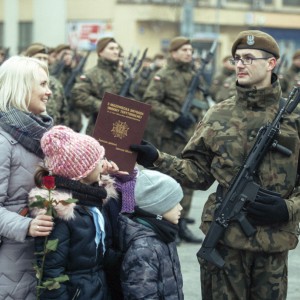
(141,81)
(88,91)
(150,268)
(166,94)
(217,151)
(57,106)
(289,79)
(221,83)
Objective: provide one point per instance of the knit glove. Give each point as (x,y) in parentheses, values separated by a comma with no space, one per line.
(147,154)
(268,209)
(185,122)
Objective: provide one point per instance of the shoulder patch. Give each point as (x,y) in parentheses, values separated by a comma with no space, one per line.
(156,78)
(83,77)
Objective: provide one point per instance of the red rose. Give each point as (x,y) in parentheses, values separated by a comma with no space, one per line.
(49,182)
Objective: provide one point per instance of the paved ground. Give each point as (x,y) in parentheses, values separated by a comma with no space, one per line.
(190,266)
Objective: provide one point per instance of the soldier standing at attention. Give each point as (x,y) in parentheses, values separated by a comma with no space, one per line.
(104,77)
(292,76)
(223,83)
(57,106)
(166,94)
(256,267)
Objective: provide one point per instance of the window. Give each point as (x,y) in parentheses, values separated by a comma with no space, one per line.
(25,35)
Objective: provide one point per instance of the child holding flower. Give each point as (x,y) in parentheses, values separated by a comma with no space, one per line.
(78,165)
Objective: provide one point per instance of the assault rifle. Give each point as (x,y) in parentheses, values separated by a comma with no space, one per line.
(131,73)
(188,103)
(76,72)
(243,188)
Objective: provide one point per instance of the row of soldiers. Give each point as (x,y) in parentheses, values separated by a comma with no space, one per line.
(162,82)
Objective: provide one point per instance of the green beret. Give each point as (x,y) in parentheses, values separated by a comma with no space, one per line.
(296,54)
(102,43)
(178,42)
(256,39)
(35,49)
(62,47)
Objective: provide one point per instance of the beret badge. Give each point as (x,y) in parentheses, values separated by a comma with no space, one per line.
(250,40)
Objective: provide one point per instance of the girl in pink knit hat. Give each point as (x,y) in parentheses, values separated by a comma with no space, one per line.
(77,162)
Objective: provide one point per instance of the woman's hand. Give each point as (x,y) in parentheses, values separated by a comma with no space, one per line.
(41,225)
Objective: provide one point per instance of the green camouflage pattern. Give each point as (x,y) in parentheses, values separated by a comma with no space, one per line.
(223,85)
(289,79)
(166,94)
(57,106)
(217,151)
(88,91)
(268,278)
(141,82)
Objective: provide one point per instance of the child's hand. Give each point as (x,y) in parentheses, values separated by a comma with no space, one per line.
(110,167)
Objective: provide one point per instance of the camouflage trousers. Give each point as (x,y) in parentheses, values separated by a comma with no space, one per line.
(246,276)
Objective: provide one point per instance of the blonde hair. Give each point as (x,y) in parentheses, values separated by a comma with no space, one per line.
(18,75)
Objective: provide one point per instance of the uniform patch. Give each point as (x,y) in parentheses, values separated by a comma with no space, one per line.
(82,77)
(156,78)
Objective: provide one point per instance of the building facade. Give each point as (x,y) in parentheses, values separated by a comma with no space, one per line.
(140,24)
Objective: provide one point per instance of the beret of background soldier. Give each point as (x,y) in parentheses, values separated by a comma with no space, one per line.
(36,48)
(255,39)
(102,43)
(296,54)
(178,42)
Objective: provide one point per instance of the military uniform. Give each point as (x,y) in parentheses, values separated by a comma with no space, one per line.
(289,79)
(223,85)
(166,94)
(255,266)
(87,93)
(57,106)
(217,151)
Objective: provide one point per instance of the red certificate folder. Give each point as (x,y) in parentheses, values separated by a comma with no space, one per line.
(121,122)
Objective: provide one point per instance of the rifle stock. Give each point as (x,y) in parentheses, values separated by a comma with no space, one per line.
(132,73)
(243,188)
(76,72)
(188,102)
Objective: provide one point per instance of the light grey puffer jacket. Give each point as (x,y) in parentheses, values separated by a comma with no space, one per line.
(17,168)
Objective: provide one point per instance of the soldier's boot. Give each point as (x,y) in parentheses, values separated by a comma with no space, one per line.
(185,233)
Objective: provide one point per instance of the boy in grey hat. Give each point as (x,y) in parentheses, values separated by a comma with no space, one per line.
(151,267)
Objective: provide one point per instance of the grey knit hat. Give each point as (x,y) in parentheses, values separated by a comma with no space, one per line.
(156,192)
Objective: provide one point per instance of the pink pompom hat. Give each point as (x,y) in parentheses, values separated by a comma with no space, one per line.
(70,154)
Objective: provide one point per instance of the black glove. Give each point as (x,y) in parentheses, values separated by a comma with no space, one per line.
(184,122)
(268,209)
(147,153)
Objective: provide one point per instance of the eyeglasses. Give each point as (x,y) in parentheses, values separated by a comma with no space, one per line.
(245,61)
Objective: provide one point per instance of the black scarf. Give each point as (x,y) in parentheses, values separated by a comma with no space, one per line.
(165,230)
(26,128)
(87,195)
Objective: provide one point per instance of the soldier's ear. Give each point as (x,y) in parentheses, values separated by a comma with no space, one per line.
(271,63)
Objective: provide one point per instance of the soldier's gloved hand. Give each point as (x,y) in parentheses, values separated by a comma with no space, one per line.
(147,153)
(268,209)
(184,122)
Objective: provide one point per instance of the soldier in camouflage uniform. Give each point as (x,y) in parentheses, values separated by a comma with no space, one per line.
(87,93)
(292,76)
(143,78)
(57,106)
(222,83)
(256,266)
(166,94)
